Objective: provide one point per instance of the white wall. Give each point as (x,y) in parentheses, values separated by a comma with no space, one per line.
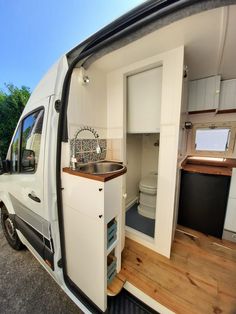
(142,158)
(88,103)
(182,149)
(134,166)
(149,153)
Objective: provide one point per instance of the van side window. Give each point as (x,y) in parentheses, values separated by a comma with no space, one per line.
(15,152)
(30,141)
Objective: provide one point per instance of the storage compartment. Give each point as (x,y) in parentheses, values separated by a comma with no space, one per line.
(111,267)
(144,91)
(204,94)
(111,232)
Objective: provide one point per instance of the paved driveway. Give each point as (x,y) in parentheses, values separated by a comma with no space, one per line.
(25,287)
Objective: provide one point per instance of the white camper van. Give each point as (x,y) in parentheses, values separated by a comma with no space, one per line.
(121,174)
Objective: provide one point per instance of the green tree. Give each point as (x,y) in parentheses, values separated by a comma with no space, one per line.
(12,103)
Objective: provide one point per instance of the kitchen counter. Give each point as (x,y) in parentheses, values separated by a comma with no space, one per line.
(209,165)
(97,177)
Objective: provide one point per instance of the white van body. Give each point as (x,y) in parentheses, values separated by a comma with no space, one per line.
(40,200)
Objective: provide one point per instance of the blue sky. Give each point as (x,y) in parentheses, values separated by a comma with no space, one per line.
(35,33)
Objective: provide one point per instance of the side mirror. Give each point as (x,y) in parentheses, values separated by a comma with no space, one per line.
(28,160)
(5,166)
(1,166)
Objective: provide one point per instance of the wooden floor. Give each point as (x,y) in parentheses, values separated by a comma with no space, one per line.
(200,276)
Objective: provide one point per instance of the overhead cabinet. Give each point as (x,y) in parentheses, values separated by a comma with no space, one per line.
(144,101)
(228,95)
(204,94)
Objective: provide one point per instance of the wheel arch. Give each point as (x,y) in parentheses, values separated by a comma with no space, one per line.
(6,201)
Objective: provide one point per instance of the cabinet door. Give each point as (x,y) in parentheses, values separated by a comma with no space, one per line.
(112,198)
(232,191)
(230,220)
(144,101)
(228,95)
(85,254)
(204,94)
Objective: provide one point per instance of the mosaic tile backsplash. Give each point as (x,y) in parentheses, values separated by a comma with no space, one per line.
(86,149)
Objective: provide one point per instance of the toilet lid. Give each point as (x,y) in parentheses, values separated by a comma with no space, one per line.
(149,181)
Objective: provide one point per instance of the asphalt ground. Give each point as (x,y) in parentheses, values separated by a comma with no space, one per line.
(26,287)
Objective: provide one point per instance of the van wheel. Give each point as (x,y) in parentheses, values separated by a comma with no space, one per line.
(10,231)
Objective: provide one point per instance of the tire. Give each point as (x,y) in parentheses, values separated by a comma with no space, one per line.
(10,231)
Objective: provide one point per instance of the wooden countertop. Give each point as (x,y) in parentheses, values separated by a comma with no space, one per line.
(96,177)
(207,165)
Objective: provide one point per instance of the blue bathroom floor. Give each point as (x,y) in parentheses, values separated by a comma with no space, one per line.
(138,222)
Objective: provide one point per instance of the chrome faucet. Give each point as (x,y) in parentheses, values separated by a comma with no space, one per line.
(96,136)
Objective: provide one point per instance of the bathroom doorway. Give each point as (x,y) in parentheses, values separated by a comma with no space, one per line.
(143,107)
(142,152)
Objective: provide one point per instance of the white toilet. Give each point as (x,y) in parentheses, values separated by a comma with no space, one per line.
(148,195)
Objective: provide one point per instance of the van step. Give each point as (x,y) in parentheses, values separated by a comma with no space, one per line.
(116,285)
(126,303)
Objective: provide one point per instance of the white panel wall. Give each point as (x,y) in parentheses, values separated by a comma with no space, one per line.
(204,94)
(230,219)
(115,105)
(150,153)
(134,166)
(228,95)
(144,101)
(142,158)
(88,103)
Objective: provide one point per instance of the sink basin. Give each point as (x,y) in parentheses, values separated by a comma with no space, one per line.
(101,168)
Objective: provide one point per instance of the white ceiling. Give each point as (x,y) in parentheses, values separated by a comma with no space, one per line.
(209,39)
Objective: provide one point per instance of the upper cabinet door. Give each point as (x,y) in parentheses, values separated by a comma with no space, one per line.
(204,94)
(144,101)
(228,95)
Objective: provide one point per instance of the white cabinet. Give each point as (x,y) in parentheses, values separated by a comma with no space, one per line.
(228,95)
(88,207)
(230,219)
(144,101)
(204,94)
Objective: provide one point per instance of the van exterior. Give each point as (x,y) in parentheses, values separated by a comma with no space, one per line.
(31,184)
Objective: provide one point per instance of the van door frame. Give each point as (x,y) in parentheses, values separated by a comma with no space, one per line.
(130,22)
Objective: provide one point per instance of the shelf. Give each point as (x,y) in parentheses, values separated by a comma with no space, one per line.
(116,285)
(114,244)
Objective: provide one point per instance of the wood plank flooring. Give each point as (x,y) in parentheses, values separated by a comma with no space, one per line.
(199,278)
